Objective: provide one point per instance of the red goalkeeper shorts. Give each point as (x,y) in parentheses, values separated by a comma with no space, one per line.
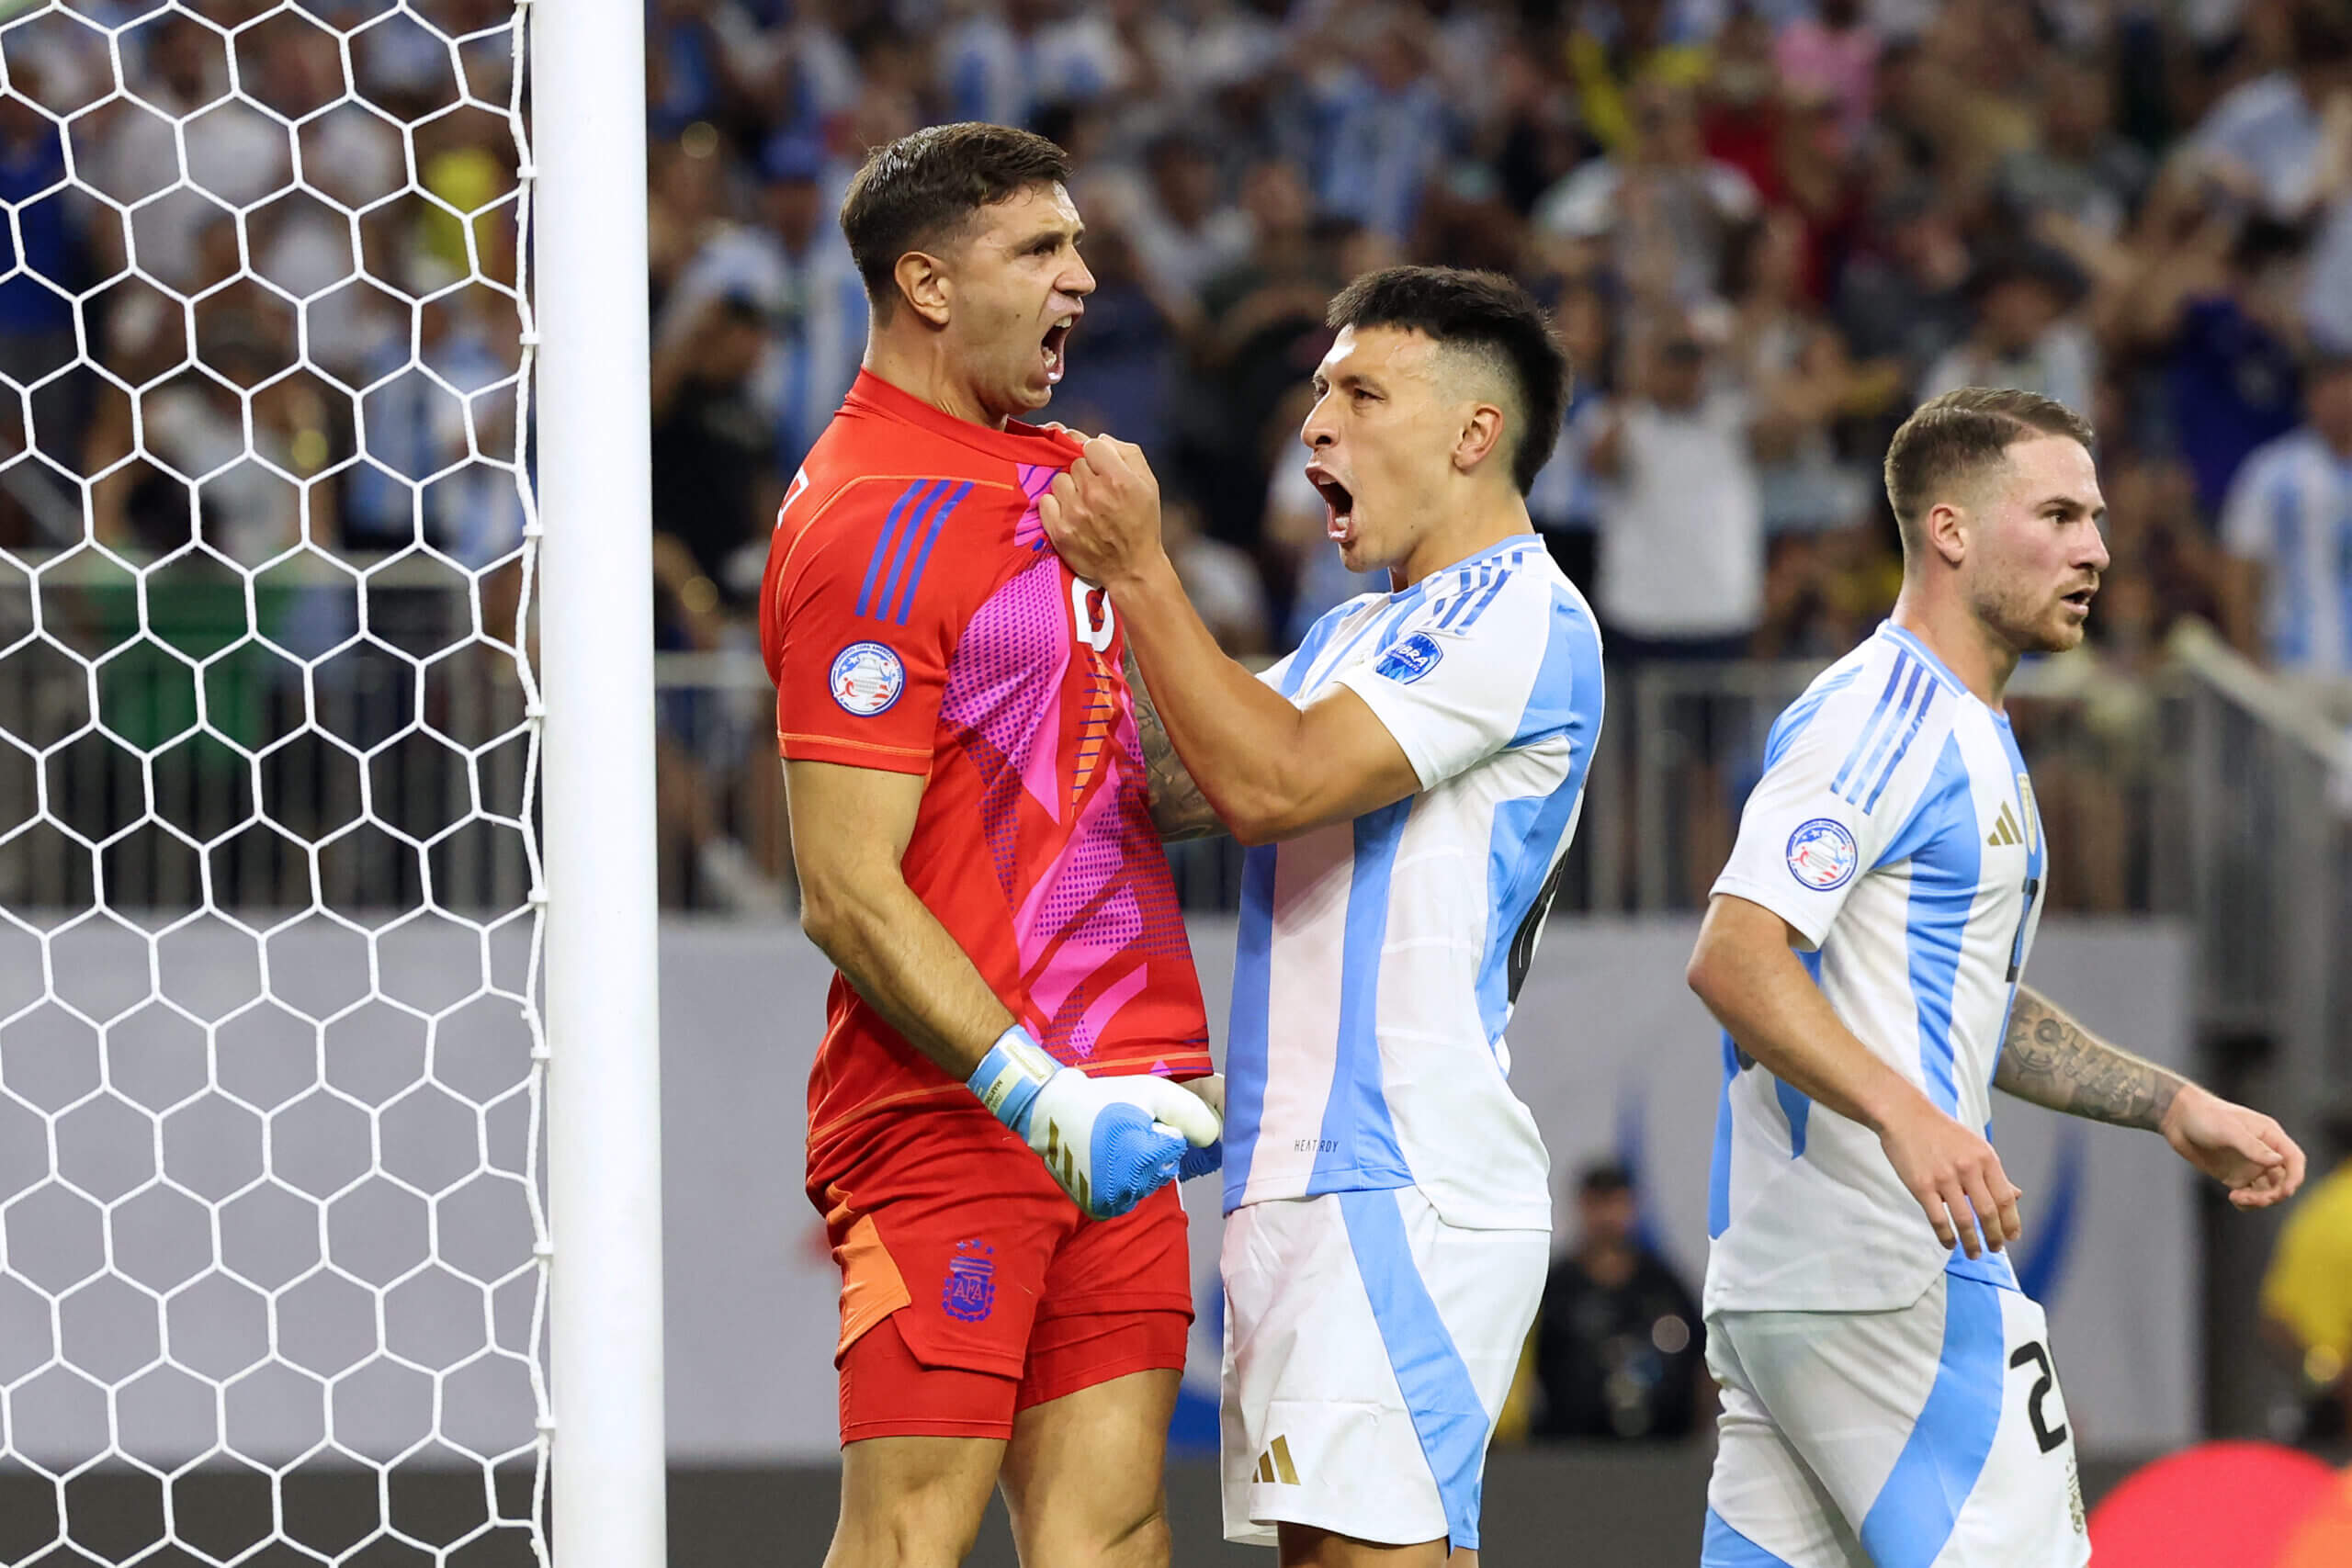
(972,1288)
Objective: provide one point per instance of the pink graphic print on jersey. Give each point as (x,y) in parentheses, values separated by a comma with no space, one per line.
(1035,479)
(1004,698)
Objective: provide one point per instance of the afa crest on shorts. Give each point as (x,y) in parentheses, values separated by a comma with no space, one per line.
(970,1290)
(1822,855)
(866,678)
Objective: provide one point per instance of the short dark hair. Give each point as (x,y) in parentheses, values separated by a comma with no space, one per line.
(922,189)
(1484,313)
(1604,1177)
(1950,441)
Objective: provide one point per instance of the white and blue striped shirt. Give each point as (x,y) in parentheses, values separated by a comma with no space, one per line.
(2290,510)
(1894,830)
(1378,959)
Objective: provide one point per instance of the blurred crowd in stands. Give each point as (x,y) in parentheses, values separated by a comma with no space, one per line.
(1767,229)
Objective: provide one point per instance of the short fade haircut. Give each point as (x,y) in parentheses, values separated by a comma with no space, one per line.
(1481,314)
(921,192)
(1950,441)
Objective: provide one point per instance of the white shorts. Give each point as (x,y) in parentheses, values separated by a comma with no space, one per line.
(1368,1350)
(1931,1435)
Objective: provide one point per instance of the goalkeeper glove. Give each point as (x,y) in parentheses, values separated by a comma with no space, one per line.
(1110,1142)
(1210,1156)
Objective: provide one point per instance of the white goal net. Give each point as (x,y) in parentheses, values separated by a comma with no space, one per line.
(273,1260)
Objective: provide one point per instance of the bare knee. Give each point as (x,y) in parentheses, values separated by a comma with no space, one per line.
(911,1509)
(1136,1536)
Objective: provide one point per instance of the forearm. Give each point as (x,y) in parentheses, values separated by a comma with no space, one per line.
(894,952)
(1179,809)
(1237,737)
(2050,1060)
(1775,1014)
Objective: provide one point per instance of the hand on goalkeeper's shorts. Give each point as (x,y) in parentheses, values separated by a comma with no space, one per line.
(1109,1142)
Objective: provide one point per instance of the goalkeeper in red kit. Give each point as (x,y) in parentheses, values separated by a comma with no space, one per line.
(995,1115)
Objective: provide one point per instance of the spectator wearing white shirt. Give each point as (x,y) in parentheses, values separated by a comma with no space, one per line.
(2288,523)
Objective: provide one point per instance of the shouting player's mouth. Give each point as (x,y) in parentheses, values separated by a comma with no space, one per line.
(2079,600)
(1057,338)
(1339,501)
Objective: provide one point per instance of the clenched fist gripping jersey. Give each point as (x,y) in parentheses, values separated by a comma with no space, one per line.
(915,619)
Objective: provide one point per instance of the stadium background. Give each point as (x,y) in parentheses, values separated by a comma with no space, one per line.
(1827,211)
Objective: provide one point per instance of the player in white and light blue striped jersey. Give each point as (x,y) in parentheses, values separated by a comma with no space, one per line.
(1888,1393)
(1409,780)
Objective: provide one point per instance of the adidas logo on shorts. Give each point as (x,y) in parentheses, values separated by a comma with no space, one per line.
(1275,1464)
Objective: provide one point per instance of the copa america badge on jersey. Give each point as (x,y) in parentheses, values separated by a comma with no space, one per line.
(866,678)
(1410,660)
(1822,855)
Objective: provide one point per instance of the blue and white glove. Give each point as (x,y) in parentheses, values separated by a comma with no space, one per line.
(1110,1142)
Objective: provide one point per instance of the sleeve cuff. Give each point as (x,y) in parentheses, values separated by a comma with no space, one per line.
(1800,913)
(801,747)
(1394,712)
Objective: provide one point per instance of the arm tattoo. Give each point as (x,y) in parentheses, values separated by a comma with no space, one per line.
(1179,809)
(2050,1060)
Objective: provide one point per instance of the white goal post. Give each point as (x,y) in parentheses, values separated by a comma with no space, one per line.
(604,1087)
(329,1093)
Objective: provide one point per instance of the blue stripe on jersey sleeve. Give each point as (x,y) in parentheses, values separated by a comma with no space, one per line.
(922,551)
(1886,698)
(882,546)
(1448,1415)
(1359,1140)
(1913,1515)
(1502,575)
(918,515)
(1909,735)
(2291,636)
(1912,698)
(1245,1038)
(1941,843)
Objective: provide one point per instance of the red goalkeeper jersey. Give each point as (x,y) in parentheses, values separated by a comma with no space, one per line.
(915,619)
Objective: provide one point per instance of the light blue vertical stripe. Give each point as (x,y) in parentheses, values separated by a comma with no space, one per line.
(1447,1415)
(1565,698)
(1725,1547)
(1719,1168)
(1359,1139)
(1947,859)
(1915,1511)
(1245,1036)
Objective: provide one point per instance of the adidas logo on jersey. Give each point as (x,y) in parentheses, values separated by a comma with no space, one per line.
(1275,1464)
(2005,831)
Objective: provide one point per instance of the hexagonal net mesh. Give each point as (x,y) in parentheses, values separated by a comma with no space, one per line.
(272,1250)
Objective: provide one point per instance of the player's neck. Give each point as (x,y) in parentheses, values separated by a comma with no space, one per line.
(1487,523)
(1969,648)
(924,372)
